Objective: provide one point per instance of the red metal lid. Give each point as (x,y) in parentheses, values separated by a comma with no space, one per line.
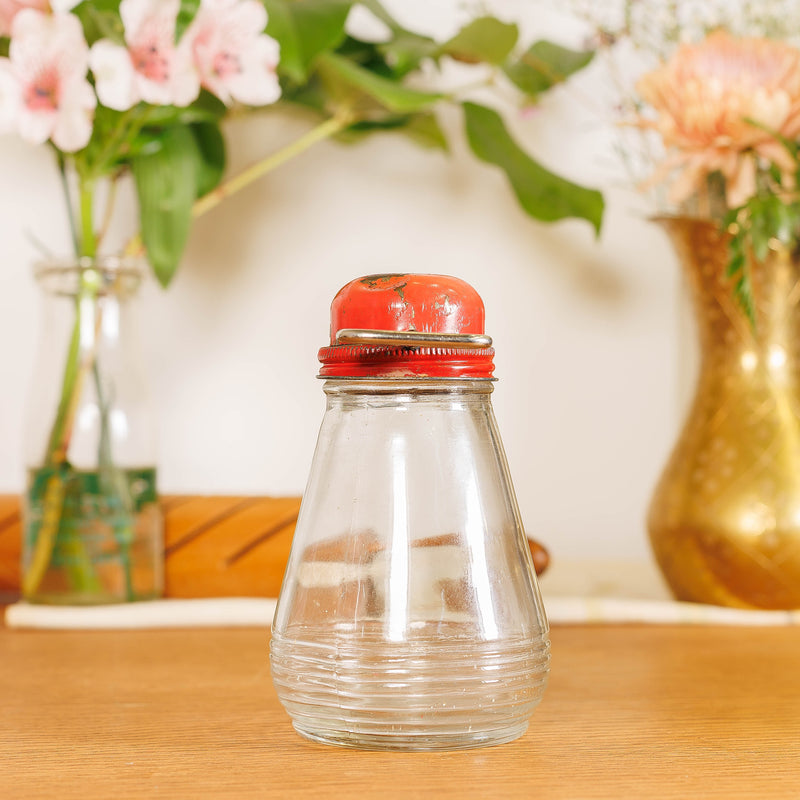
(407,325)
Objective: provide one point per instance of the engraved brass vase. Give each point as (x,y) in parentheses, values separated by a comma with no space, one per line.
(724,522)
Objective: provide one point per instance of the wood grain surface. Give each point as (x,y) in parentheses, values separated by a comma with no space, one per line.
(631,712)
(214,546)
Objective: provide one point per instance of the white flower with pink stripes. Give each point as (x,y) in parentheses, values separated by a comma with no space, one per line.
(224,50)
(233,57)
(149,67)
(10,8)
(44,91)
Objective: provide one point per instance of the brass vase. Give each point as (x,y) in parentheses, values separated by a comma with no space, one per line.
(724,522)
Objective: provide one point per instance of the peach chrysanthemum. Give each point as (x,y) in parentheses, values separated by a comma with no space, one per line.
(707,97)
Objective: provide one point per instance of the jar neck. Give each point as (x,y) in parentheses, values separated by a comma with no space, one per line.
(95,277)
(401,386)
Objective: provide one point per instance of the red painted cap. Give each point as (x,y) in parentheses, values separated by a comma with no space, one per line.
(407,325)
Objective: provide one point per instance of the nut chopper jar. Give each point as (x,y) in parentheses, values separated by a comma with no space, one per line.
(409,616)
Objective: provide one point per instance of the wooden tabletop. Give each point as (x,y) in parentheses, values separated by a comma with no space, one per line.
(631,712)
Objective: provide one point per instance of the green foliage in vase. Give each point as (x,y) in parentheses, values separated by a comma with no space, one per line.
(770,219)
(158,117)
(366,84)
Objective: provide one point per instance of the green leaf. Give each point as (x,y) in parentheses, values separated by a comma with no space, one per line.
(735,265)
(166,185)
(760,245)
(348,80)
(544,65)
(96,5)
(5,43)
(542,194)
(792,146)
(211,148)
(304,29)
(311,95)
(366,55)
(186,13)
(784,223)
(358,131)
(100,20)
(207,108)
(423,129)
(98,157)
(743,292)
(209,105)
(760,232)
(381,13)
(406,49)
(739,222)
(280,26)
(484,39)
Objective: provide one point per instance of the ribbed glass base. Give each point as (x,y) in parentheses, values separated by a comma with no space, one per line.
(435,693)
(419,742)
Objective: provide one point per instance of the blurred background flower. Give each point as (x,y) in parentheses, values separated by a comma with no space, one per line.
(727,105)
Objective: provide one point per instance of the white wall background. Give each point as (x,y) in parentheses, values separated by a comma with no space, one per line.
(586,331)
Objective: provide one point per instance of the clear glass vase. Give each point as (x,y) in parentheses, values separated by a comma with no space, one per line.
(92,526)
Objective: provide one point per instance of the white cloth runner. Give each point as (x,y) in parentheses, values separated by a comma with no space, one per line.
(606,610)
(258,612)
(217,612)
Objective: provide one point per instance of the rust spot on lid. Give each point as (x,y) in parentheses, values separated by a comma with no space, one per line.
(379,281)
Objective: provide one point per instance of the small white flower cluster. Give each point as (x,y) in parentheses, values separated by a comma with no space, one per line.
(635,36)
(44,88)
(659,26)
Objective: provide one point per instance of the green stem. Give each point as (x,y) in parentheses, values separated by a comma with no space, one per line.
(332,126)
(62,171)
(57,443)
(80,358)
(126,128)
(52,504)
(114,485)
(323,131)
(109,211)
(88,239)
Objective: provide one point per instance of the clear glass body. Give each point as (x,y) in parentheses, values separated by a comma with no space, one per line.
(409,617)
(93,529)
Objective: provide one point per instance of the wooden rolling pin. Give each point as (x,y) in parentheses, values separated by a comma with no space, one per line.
(214,546)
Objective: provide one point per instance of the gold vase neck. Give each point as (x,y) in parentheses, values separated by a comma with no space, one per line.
(724,328)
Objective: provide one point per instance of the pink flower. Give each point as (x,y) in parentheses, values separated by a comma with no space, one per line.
(149,67)
(705,97)
(234,58)
(10,8)
(44,93)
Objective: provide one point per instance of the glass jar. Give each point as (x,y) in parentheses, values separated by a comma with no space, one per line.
(410,616)
(91,520)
